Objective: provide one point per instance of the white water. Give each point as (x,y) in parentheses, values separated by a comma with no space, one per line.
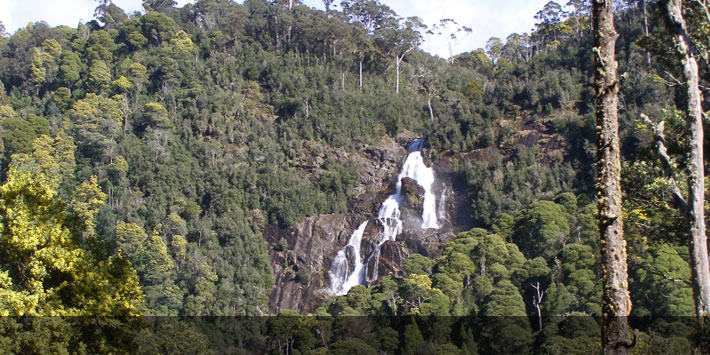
(442,203)
(415,169)
(340,281)
(389,215)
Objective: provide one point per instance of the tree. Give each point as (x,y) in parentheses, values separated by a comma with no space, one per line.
(541,229)
(695,214)
(452,33)
(616,302)
(155,5)
(417,264)
(537,302)
(38,70)
(503,225)
(44,272)
(429,74)
(182,44)
(579,15)
(85,204)
(157,27)
(69,68)
(96,121)
(548,20)
(351,346)
(99,76)
(494,48)
(371,14)
(109,14)
(162,296)
(398,39)
(154,115)
(100,46)
(326,5)
(137,74)
(363,47)
(517,47)
(507,329)
(411,337)
(664,284)
(580,276)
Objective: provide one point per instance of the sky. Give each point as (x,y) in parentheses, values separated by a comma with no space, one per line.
(486,18)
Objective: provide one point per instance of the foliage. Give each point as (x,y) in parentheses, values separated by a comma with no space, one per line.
(153,149)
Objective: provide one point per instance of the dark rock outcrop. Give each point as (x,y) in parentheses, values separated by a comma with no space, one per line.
(391,260)
(301,256)
(312,244)
(412,195)
(410,208)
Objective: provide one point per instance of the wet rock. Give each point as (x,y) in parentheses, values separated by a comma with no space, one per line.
(411,206)
(301,256)
(371,268)
(387,261)
(311,245)
(379,166)
(392,257)
(428,242)
(412,195)
(351,257)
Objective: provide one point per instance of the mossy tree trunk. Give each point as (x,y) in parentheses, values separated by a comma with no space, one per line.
(616,302)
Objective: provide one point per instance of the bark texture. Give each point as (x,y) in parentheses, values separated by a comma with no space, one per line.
(696,186)
(668,171)
(616,303)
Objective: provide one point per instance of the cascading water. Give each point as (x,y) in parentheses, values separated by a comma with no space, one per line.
(341,278)
(442,203)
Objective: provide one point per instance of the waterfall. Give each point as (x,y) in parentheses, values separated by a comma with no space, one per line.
(442,203)
(340,281)
(389,216)
(415,169)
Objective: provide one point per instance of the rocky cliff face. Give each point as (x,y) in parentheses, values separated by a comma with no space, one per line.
(301,256)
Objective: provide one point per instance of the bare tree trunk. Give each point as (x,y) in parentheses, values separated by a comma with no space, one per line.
(537,302)
(666,163)
(645,32)
(288,35)
(696,185)
(360,74)
(325,49)
(431,112)
(397,60)
(396,64)
(276,33)
(125,110)
(616,303)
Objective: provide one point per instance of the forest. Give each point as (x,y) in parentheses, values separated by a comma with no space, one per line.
(144,155)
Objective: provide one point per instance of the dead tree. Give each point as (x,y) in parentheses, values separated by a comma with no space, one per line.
(694,212)
(616,302)
(537,302)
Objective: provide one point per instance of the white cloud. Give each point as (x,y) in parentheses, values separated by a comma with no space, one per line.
(55,13)
(487,18)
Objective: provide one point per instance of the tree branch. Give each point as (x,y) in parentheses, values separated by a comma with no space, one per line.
(704,6)
(668,171)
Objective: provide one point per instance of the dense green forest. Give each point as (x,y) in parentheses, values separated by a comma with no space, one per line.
(143,155)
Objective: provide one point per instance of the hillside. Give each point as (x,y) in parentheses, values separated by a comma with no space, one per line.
(224,153)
